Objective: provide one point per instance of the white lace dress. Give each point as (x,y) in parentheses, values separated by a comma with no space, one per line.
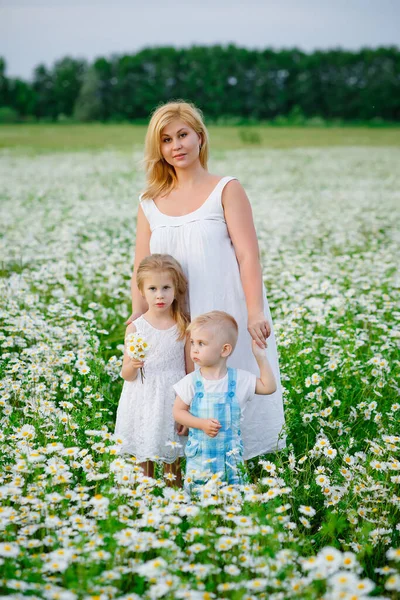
(144,416)
(200,242)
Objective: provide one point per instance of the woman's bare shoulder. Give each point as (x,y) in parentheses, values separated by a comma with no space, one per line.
(233,189)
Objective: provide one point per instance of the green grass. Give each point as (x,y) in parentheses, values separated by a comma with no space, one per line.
(46,138)
(326,228)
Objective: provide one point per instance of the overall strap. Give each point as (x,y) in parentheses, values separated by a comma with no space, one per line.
(232,376)
(198,384)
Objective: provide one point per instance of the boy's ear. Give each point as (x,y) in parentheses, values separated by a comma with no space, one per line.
(226,350)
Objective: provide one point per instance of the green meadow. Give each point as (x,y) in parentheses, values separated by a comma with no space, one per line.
(320,519)
(59,137)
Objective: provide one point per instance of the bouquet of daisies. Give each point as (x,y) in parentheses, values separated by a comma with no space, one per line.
(137,348)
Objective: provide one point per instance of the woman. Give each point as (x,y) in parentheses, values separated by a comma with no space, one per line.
(205,222)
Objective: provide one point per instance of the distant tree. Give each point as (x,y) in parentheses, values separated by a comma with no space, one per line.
(4,99)
(8,115)
(16,95)
(105,70)
(43,87)
(22,97)
(224,81)
(68,75)
(58,88)
(88,106)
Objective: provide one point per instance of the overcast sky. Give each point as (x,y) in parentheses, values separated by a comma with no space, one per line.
(42,31)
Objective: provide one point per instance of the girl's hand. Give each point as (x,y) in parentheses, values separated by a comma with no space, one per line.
(182,430)
(133,317)
(259,329)
(137,364)
(211,427)
(259,353)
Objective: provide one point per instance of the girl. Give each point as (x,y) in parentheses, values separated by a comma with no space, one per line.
(212,400)
(144,416)
(206,223)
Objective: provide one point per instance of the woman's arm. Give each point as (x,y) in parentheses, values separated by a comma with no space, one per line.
(130,366)
(239,220)
(142,249)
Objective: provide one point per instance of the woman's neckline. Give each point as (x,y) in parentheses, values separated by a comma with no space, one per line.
(193,211)
(156,328)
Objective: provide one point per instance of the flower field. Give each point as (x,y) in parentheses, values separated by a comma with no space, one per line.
(321,518)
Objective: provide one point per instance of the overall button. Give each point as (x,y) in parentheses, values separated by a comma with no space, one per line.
(231,394)
(198,383)
(200,395)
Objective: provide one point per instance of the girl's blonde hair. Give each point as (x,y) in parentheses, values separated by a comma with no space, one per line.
(161,176)
(166,263)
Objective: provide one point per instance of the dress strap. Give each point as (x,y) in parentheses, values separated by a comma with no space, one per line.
(142,326)
(147,208)
(138,322)
(215,207)
(222,183)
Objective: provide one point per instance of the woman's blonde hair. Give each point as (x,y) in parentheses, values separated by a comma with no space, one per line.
(166,263)
(161,176)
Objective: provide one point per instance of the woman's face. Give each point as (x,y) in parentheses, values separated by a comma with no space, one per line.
(180,144)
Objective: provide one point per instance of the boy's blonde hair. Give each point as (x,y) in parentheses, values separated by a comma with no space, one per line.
(166,263)
(161,176)
(223,322)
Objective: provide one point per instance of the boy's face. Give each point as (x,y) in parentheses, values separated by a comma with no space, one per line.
(207,347)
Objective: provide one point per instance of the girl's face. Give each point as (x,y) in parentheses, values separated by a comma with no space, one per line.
(180,144)
(158,291)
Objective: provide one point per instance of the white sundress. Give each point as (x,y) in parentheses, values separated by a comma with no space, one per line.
(144,416)
(200,242)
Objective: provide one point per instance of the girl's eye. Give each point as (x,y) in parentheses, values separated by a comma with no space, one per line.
(152,288)
(167,287)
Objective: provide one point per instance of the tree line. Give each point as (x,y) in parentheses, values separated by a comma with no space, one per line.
(224,81)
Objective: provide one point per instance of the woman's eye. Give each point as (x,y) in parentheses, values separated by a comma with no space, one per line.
(183,134)
(167,140)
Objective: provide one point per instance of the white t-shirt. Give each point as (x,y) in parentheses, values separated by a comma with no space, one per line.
(245,387)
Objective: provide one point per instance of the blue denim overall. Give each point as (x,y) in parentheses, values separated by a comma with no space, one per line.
(223,453)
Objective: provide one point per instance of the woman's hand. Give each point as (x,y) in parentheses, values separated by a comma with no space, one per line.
(259,329)
(133,317)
